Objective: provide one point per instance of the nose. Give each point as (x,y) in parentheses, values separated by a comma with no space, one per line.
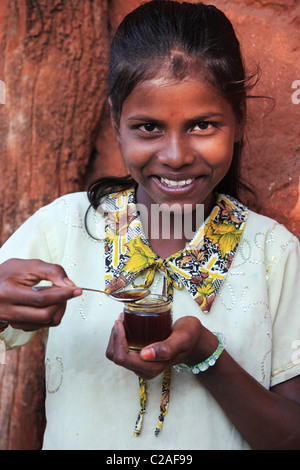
(176,152)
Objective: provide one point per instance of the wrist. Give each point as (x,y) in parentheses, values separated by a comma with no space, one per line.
(209,361)
(207,343)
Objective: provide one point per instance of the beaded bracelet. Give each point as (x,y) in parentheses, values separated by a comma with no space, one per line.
(3,325)
(203,366)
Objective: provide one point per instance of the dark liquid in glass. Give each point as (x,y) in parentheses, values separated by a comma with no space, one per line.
(143,328)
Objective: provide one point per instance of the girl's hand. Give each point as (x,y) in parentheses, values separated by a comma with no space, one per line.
(26,309)
(190,343)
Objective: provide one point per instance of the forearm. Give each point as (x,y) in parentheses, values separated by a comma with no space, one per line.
(265,419)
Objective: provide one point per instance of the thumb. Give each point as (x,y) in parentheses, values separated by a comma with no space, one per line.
(184,336)
(161,351)
(148,353)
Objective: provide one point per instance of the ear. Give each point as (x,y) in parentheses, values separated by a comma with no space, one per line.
(240,125)
(114,121)
(239,132)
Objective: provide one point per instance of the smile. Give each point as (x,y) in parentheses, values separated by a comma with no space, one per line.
(176,184)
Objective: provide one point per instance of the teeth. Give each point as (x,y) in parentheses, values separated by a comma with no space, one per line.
(175,184)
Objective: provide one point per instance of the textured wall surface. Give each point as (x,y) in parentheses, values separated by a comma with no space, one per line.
(53,61)
(269,33)
(55,134)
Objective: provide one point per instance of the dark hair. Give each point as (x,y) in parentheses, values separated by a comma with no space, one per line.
(179,39)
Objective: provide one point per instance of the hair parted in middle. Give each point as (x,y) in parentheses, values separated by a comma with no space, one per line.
(166,38)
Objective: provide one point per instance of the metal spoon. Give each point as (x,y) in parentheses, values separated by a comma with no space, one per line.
(128,295)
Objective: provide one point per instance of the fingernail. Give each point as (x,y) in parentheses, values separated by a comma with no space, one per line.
(77,292)
(148,353)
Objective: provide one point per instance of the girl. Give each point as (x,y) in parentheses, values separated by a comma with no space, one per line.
(177,92)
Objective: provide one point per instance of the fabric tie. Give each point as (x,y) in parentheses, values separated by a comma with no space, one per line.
(200,267)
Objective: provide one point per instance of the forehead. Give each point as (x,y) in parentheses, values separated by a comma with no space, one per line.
(168,95)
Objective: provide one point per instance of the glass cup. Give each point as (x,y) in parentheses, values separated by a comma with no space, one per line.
(146,321)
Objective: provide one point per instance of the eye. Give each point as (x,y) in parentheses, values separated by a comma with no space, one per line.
(148,127)
(202,126)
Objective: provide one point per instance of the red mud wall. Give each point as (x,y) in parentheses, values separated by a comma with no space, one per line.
(269,33)
(55,134)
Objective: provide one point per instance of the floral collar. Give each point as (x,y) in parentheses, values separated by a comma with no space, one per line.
(200,267)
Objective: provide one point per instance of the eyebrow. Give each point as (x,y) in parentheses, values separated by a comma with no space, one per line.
(207,116)
(202,117)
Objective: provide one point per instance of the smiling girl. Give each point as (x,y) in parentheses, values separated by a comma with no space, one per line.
(177,139)
(177,91)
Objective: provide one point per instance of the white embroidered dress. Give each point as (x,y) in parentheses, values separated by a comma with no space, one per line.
(91,403)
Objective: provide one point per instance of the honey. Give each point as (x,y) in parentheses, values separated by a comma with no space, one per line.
(147,321)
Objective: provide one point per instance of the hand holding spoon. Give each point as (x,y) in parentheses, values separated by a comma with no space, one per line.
(128,295)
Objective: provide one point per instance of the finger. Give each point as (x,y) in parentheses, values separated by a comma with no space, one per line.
(54,295)
(56,320)
(118,347)
(52,272)
(19,294)
(110,347)
(31,271)
(26,314)
(30,321)
(26,326)
(117,351)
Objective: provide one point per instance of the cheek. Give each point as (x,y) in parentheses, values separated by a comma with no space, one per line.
(219,151)
(135,154)
(133,161)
